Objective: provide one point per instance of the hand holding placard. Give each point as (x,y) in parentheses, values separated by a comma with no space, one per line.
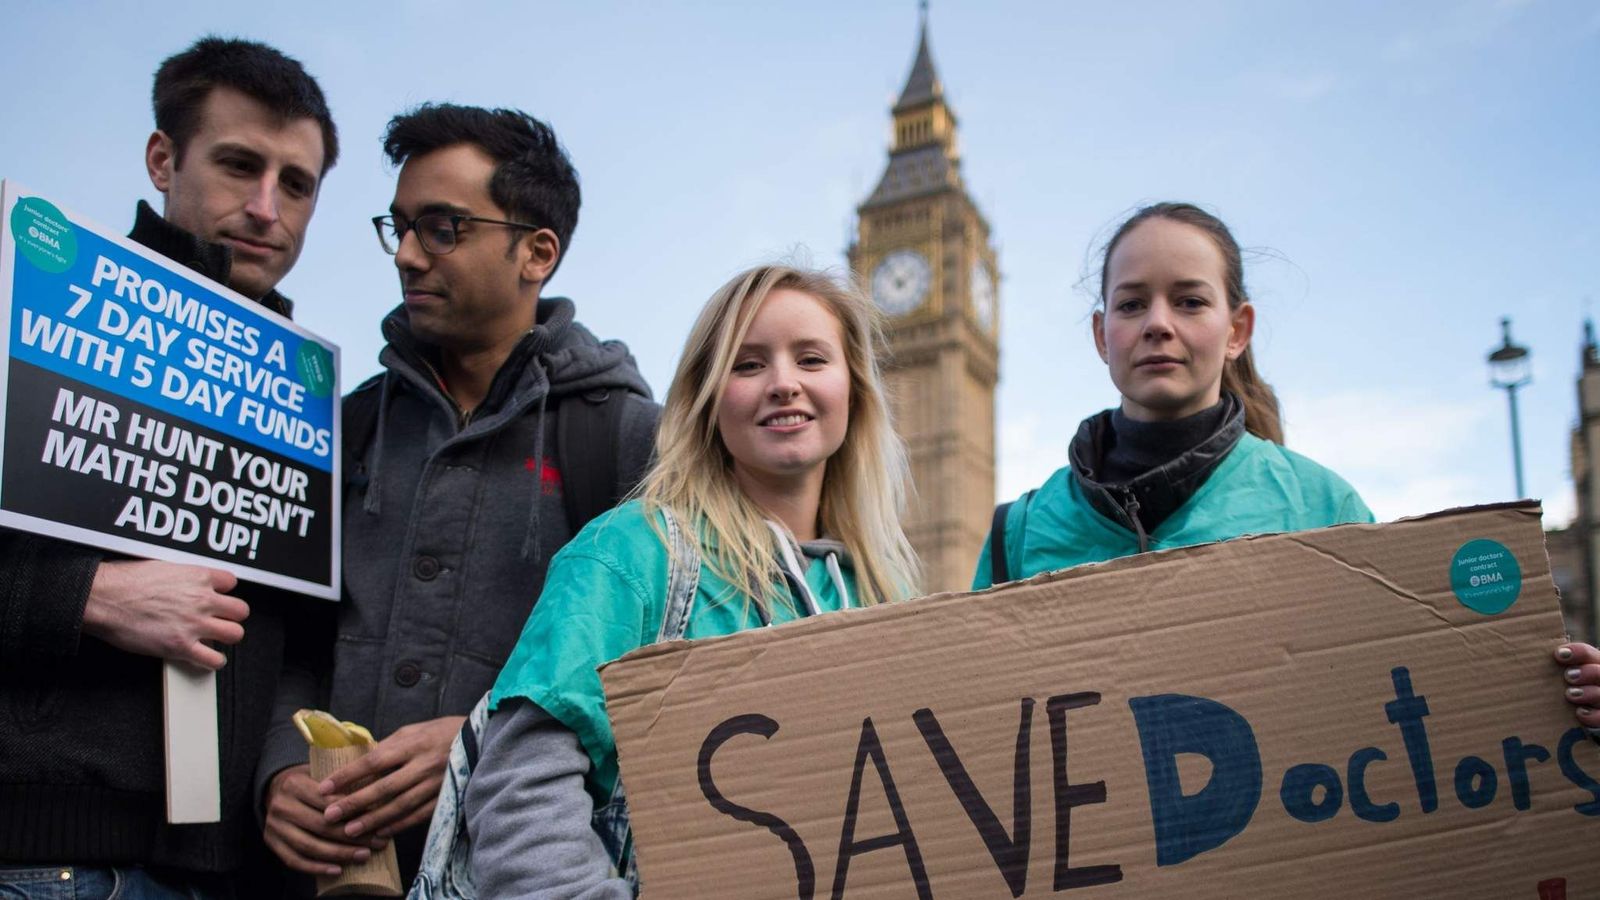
(165,610)
(151,412)
(168,611)
(1581,671)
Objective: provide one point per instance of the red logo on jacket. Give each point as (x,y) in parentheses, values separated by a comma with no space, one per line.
(549,475)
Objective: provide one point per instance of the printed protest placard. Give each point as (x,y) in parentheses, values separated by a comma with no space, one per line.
(153,412)
(1366,711)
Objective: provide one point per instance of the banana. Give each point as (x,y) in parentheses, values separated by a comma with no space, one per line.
(323,730)
(358,735)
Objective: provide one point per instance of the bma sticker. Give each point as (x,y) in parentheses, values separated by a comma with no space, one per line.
(1485,576)
(314,365)
(44,235)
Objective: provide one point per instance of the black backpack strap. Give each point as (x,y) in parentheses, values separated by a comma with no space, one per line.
(999,565)
(359,423)
(999,571)
(587,430)
(469,741)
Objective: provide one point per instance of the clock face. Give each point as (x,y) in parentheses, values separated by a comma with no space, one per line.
(900,283)
(983,298)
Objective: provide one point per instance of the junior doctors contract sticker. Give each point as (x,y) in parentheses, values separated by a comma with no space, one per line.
(1485,577)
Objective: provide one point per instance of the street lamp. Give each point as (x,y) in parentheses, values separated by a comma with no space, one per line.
(1510,368)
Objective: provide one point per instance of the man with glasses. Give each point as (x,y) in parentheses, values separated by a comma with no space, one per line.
(461,480)
(243,139)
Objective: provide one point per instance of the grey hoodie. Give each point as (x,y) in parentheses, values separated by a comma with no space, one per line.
(526,808)
(449,525)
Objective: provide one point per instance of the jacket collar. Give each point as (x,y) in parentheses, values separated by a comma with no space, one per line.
(553,319)
(1146,501)
(215,261)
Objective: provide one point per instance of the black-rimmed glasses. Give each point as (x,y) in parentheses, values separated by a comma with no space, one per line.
(438,232)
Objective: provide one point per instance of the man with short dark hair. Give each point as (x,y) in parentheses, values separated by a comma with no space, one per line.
(243,137)
(467,481)
(238,127)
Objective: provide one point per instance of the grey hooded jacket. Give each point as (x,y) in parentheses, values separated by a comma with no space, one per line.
(449,526)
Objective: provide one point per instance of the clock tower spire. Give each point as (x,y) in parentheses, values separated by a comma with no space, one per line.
(924,249)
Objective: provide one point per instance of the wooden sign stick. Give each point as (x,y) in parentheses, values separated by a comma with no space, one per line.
(194,783)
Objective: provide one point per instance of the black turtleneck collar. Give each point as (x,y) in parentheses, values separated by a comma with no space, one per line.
(1139,473)
(1134,447)
(215,261)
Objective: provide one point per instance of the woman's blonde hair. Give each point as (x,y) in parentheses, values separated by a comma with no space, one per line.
(864,482)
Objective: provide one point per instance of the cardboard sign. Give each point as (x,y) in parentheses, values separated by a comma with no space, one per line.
(153,412)
(1360,711)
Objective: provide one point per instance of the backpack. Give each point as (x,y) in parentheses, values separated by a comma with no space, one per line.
(591,483)
(445,872)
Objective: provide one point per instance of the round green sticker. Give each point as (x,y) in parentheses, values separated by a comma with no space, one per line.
(43,234)
(315,365)
(1485,576)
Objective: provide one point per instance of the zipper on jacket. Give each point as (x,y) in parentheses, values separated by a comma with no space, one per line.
(1130,506)
(463,416)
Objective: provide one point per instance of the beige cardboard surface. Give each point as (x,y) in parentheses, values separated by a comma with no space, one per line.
(1237,720)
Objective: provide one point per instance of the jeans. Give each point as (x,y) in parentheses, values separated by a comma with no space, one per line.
(101,883)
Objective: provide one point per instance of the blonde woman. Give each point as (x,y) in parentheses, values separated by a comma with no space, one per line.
(780,475)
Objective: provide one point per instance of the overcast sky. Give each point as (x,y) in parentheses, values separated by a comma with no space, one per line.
(1414,171)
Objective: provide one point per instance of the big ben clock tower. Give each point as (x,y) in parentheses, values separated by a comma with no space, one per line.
(923,248)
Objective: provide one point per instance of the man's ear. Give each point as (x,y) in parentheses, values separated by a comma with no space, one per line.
(1100,336)
(542,250)
(160,160)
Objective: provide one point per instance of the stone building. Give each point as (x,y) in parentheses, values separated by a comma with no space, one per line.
(1575,551)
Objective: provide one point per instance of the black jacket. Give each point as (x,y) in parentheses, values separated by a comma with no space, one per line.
(81,762)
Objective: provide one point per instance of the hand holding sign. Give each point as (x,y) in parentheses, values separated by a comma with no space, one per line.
(151,412)
(165,610)
(1582,677)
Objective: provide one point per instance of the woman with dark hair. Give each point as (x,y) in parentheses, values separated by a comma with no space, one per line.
(1193,453)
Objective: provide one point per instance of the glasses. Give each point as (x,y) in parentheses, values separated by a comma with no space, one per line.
(438,232)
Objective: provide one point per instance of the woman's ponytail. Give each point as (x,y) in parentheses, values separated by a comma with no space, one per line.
(1262,417)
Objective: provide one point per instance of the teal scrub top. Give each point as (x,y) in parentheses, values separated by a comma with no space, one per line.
(1258,488)
(605,595)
